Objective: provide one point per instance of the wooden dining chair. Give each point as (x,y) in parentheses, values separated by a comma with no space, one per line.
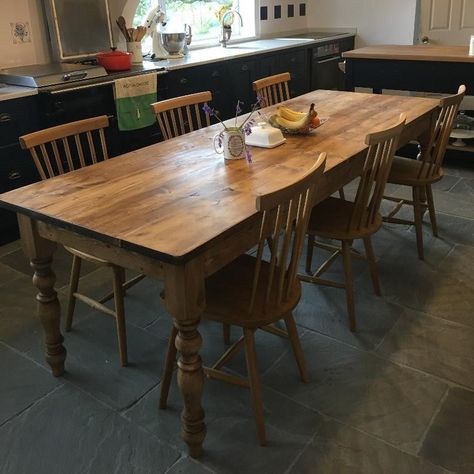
(57,151)
(253,292)
(273,89)
(420,174)
(183,114)
(338,219)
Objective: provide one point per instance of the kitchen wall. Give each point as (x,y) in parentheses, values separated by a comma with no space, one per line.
(377,22)
(34,49)
(30,44)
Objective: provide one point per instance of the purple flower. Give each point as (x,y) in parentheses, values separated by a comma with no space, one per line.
(207,110)
(247,128)
(238,108)
(248,155)
(260,101)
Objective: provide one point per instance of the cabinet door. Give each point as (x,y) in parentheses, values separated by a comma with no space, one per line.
(241,74)
(17,117)
(296,63)
(16,170)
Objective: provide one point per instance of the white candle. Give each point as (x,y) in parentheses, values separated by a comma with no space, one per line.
(471,46)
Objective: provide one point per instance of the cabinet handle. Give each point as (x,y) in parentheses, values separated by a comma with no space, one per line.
(14,175)
(4,118)
(183,80)
(244,67)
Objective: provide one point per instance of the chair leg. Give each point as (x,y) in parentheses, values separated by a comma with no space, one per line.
(169,366)
(309,253)
(346,257)
(120,314)
(369,252)
(431,209)
(226,331)
(296,345)
(418,214)
(254,382)
(341,194)
(73,285)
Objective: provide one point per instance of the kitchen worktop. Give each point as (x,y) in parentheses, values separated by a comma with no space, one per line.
(198,57)
(416,52)
(8,92)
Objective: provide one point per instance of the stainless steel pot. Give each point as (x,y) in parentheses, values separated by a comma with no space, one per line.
(173,42)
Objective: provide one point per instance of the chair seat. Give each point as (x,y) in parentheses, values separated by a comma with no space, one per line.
(331,218)
(223,304)
(406,171)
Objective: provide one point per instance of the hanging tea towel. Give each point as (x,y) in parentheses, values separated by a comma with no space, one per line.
(133,96)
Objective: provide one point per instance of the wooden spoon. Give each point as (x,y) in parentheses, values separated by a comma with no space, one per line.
(122,24)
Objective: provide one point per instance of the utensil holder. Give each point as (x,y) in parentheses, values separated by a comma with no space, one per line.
(135,47)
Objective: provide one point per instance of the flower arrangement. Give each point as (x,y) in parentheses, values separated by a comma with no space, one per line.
(245,127)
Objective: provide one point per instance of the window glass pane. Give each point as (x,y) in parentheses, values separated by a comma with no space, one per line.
(202,15)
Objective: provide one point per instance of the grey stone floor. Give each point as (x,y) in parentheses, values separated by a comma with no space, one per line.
(397,396)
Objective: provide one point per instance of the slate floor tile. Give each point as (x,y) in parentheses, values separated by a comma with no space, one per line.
(459,262)
(453,229)
(231,427)
(419,286)
(362,390)
(324,310)
(464,188)
(93,360)
(450,440)
(10,247)
(187,465)
(22,383)
(61,264)
(339,449)
(8,274)
(433,345)
(70,432)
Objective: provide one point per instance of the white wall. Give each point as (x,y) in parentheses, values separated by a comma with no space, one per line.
(377,21)
(33,52)
(283,24)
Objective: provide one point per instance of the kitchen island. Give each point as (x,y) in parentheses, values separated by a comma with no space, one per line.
(422,68)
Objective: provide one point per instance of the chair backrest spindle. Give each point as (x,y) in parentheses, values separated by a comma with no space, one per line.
(181,115)
(433,158)
(382,147)
(53,154)
(273,89)
(285,216)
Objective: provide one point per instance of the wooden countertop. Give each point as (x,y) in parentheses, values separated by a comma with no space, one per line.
(415,52)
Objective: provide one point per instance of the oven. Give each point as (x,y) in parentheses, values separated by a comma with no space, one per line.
(325,71)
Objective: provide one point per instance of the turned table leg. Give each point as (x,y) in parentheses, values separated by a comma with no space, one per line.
(190,381)
(49,313)
(40,251)
(185,300)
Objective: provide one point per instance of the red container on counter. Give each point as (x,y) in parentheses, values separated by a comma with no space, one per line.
(115,60)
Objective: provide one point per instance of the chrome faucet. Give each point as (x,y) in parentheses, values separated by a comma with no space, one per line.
(226,32)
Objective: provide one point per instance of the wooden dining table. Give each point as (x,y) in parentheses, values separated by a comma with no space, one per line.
(178,212)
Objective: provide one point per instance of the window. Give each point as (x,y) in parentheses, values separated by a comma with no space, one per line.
(202,16)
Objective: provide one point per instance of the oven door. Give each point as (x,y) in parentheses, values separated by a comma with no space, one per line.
(326,74)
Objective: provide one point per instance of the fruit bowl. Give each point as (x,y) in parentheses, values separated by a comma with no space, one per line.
(295,123)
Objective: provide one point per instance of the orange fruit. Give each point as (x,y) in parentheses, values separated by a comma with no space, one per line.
(315,122)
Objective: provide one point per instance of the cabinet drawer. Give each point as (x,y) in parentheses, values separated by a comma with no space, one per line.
(17,117)
(16,168)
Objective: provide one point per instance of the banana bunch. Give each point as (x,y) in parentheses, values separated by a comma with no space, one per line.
(291,121)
